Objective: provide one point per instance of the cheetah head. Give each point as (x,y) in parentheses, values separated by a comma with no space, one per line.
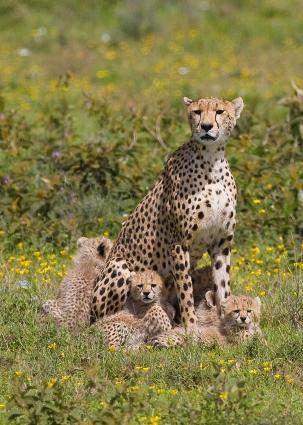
(238,311)
(94,248)
(146,286)
(212,119)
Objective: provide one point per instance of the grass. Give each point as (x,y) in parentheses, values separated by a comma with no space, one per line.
(75,377)
(90,107)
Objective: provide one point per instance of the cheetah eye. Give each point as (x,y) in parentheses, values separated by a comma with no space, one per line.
(236,311)
(220,111)
(140,286)
(197,111)
(153,285)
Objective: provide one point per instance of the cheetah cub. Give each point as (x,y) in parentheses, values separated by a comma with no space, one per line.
(73,303)
(146,313)
(239,320)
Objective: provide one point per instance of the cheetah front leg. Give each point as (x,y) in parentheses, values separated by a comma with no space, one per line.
(183,284)
(220,257)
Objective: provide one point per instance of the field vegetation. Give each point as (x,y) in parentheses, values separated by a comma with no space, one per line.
(90,107)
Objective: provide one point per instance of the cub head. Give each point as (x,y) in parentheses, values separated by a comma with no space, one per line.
(147,286)
(240,311)
(212,119)
(93,248)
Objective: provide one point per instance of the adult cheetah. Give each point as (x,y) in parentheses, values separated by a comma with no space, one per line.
(190,210)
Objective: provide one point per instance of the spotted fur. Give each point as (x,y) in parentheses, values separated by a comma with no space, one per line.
(239,320)
(72,305)
(145,314)
(190,210)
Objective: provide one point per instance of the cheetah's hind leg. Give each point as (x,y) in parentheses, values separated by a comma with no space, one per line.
(111,289)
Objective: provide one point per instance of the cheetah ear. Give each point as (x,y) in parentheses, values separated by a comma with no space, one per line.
(238,105)
(187,100)
(81,242)
(210,299)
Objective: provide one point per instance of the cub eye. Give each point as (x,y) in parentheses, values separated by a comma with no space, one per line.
(236,311)
(140,286)
(197,111)
(153,285)
(248,311)
(220,111)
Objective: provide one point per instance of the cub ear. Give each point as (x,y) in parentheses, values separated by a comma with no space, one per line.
(187,100)
(81,242)
(238,105)
(102,249)
(210,299)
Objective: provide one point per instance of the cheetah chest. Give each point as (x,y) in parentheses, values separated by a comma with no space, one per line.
(213,217)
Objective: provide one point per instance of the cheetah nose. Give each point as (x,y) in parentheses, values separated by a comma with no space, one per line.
(146,294)
(243,319)
(207,127)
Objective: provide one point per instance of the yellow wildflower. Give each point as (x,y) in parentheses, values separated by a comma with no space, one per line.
(262,294)
(51,383)
(110,55)
(256,201)
(52,345)
(173,391)
(2,232)
(277,376)
(106,234)
(289,379)
(154,420)
(102,73)
(253,371)
(65,378)
(18,373)
(262,211)
(2,406)
(112,348)
(223,396)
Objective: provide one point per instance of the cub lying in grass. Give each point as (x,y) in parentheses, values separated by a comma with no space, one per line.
(145,314)
(240,316)
(72,306)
